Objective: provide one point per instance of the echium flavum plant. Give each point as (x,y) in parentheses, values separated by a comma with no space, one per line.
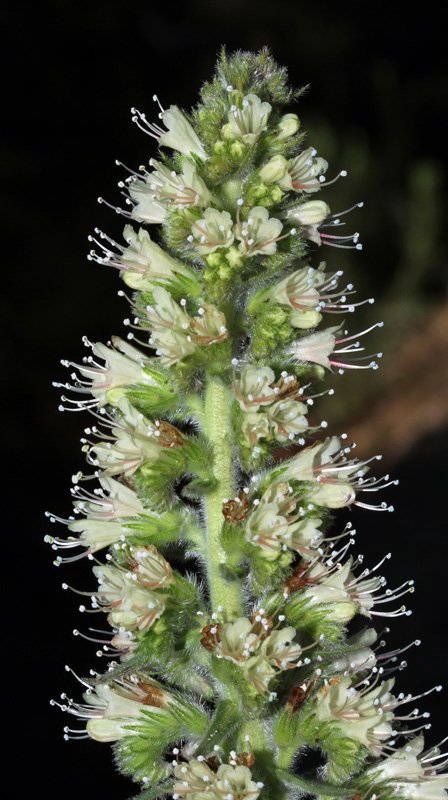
(223,678)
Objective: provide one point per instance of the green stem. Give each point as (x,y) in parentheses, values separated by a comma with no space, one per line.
(217,427)
(314,787)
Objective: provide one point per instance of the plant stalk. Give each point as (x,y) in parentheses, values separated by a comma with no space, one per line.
(217,427)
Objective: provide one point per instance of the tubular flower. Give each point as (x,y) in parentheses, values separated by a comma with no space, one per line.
(127,601)
(334,480)
(175,334)
(212,232)
(166,189)
(365,716)
(309,293)
(149,567)
(305,173)
(124,366)
(197,781)
(260,653)
(248,121)
(143,263)
(309,214)
(269,409)
(179,134)
(259,233)
(411,773)
(275,524)
(320,348)
(108,513)
(287,126)
(116,710)
(137,441)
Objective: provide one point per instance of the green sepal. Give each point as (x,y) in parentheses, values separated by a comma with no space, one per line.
(346,757)
(156,529)
(141,757)
(226,719)
(312,620)
(155,481)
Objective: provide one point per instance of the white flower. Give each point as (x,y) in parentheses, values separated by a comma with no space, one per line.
(175,334)
(259,233)
(255,426)
(303,172)
(408,776)
(129,603)
(178,190)
(299,291)
(152,570)
(195,781)
(266,528)
(306,536)
(273,525)
(111,708)
(330,590)
(106,515)
(316,348)
(170,328)
(145,208)
(280,649)
(155,193)
(253,387)
(307,464)
(137,441)
(180,134)
(362,716)
(311,213)
(236,781)
(248,121)
(143,263)
(331,475)
(121,369)
(213,231)
(209,326)
(259,672)
(237,641)
(287,418)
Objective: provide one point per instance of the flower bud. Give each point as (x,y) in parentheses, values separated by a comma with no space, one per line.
(274,170)
(311,213)
(288,125)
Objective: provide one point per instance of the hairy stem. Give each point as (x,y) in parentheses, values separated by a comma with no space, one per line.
(223,591)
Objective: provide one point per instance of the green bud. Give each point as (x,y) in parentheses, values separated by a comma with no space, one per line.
(288,126)
(274,170)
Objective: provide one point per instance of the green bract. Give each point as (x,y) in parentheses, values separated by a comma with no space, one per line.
(226,594)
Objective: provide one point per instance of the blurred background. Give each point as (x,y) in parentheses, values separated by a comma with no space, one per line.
(376,106)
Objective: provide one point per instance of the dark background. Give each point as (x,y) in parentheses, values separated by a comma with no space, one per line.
(71,71)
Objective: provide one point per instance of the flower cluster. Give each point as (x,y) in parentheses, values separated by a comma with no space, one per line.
(218,369)
(196,780)
(269,409)
(259,651)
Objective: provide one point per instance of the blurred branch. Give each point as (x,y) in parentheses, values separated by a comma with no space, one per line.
(414,399)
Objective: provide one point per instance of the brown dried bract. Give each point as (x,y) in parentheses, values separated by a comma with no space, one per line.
(169,435)
(299,694)
(236,510)
(209,640)
(297,579)
(246,759)
(153,695)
